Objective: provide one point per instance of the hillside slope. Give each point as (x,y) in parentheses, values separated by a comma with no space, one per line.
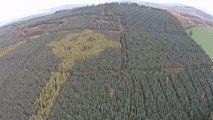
(111,61)
(189,20)
(191,10)
(188,16)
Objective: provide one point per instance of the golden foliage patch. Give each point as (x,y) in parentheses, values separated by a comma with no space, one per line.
(6,50)
(73,47)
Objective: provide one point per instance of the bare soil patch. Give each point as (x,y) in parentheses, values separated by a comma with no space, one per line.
(36,29)
(122,28)
(190,20)
(122,25)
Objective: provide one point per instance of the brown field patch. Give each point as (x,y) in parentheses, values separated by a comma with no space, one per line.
(36,29)
(190,20)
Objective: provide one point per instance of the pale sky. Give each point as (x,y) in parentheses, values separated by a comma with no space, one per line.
(13,9)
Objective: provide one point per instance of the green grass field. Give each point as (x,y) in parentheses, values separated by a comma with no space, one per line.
(204,37)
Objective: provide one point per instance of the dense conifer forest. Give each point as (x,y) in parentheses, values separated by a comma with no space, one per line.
(114,61)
